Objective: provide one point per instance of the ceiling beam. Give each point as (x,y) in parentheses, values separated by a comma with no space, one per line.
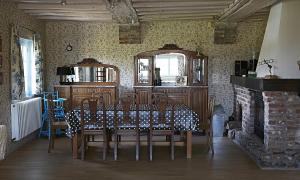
(241,9)
(177,18)
(63,18)
(198,8)
(104,16)
(180,3)
(36,11)
(178,12)
(177,15)
(40,6)
(122,11)
(59,1)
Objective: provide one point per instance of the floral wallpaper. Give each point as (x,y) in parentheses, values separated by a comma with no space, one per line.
(101,41)
(9,14)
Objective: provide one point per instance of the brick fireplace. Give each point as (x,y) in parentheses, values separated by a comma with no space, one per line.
(270,116)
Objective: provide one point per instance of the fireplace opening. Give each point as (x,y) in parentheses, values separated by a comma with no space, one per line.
(239,112)
(259,119)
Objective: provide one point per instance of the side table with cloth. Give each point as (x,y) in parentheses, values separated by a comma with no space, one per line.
(185,120)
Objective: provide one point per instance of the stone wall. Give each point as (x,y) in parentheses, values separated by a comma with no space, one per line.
(281,145)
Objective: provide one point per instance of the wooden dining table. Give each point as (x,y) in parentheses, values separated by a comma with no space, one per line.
(185,120)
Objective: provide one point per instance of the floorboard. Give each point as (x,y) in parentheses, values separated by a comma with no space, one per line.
(32,162)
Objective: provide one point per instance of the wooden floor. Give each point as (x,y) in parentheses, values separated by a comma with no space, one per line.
(32,162)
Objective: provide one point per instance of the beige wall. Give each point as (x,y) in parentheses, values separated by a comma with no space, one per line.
(100,41)
(282,40)
(10,15)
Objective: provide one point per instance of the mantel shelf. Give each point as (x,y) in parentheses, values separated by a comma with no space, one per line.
(267,84)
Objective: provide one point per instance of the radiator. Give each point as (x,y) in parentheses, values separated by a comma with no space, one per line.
(25,118)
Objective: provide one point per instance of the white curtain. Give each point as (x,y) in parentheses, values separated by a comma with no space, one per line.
(29,66)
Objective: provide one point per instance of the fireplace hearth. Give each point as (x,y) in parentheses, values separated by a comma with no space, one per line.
(270,121)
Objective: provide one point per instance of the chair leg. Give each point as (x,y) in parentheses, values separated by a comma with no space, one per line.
(172,147)
(212,143)
(116,139)
(52,137)
(150,146)
(137,148)
(83,148)
(208,140)
(50,142)
(105,140)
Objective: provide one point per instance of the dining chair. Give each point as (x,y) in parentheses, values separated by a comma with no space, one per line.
(126,122)
(162,124)
(93,122)
(58,107)
(207,126)
(54,123)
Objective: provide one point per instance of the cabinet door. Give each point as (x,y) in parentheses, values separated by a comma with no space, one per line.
(80,93)
(178,98)
(199,101)
(143,95)
(199,71)
(143,71)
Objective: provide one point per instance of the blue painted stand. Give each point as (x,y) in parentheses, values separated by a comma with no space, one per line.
(59,112)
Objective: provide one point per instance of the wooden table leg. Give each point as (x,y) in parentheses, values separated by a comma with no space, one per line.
(189,144)
(75,146)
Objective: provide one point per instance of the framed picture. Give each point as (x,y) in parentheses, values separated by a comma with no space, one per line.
(181,80)
(1,78)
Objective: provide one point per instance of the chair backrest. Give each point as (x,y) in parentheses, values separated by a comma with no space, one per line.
(129,112)
(51,109)
(131,95)
(157,97)
(90,113)
(210,110)
(46,96)
(163,108)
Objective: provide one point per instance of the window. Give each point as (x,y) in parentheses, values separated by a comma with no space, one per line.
(29,66)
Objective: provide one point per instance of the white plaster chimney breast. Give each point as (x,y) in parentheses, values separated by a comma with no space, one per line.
(282,41)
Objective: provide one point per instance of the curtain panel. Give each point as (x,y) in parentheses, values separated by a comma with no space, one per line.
(17,66)
(17,71)
(38,54)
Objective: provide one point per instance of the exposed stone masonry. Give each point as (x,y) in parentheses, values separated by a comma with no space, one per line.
(281,145)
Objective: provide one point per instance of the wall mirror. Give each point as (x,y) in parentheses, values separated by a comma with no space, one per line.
(94,74)
(89,71)
(170,69)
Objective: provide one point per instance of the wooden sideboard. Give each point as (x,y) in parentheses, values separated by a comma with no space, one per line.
(75,93)
(180,74)
(195,97)
(89,78)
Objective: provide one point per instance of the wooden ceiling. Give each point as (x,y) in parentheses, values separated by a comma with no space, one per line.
(132,11)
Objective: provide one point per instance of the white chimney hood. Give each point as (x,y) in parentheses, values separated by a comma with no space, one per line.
(282,41)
